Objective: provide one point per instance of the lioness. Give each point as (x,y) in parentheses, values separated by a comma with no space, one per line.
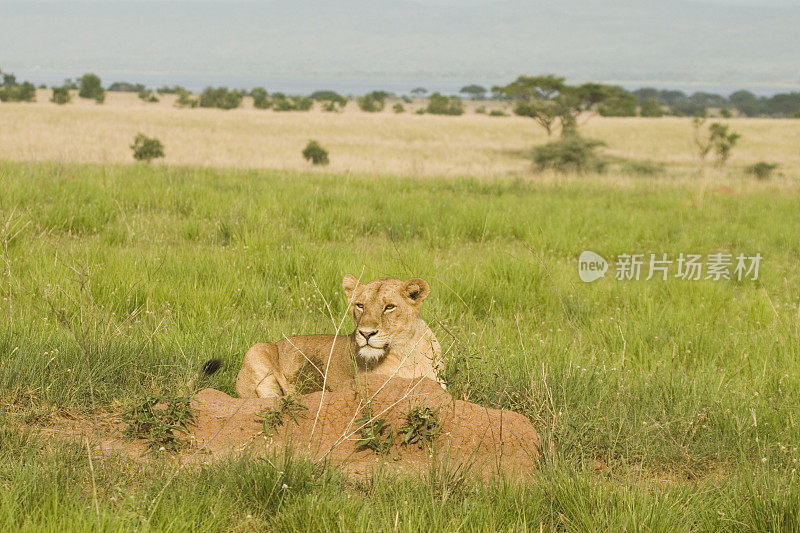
(389,338)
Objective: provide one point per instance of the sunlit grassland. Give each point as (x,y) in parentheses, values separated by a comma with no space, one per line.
(404,144)
(668,404)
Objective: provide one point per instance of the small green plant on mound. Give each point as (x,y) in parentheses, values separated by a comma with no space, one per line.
(422,426)
(398,108)
(376,435)
(497,113)
(315,153)
(572,153)
(146,149)
(160,419)
(761,170)
(272,418)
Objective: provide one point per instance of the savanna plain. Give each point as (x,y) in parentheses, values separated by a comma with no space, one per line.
(666,405)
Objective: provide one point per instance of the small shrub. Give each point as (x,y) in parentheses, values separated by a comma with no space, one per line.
(572,153)
(221,98)
(146,149)
(90,86)
(398,108)
(717,139)
(643,168)
(481,110)
(761,170)
(60,95)
(331,101)
(420,111)
(11,91)
(159,420)
(497,113)
(443,105)
(185,98)
(261,99)
(372,102)
(315,153)
(147,96)
(281,102)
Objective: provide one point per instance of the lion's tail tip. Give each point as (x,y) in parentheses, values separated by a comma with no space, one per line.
(210,367)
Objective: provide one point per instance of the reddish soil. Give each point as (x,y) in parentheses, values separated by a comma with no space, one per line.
(489,441)
(484,441)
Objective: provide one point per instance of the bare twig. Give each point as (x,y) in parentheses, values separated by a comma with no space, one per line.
(94,482)
(330,356)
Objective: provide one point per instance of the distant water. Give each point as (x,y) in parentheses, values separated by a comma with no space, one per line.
(354,86)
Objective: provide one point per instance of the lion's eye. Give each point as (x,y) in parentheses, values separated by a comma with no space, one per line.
(360,307)
(388,308)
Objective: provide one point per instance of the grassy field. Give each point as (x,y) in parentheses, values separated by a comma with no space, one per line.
(669,405)
(404,144)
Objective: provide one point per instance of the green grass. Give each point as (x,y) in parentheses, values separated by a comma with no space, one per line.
(118,281)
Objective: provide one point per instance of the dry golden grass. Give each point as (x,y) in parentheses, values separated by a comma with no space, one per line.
(382,143)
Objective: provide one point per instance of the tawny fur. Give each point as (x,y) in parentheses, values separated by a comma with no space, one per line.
(389,338)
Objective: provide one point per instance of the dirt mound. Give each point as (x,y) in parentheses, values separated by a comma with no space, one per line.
(488,440)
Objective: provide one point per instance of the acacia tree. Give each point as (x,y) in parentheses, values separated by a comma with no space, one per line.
(551,102)
(476,92)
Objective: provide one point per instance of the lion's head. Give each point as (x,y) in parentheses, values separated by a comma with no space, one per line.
(384,311)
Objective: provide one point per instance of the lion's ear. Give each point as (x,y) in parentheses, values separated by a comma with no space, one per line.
(416,290)
(349,284)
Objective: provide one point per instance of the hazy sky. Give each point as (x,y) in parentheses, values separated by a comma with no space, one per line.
(662,42)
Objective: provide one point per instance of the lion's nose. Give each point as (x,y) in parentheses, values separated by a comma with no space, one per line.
(367,334)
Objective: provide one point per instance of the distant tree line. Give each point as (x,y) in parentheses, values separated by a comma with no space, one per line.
(746,103)
(610,100)
(548,99)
